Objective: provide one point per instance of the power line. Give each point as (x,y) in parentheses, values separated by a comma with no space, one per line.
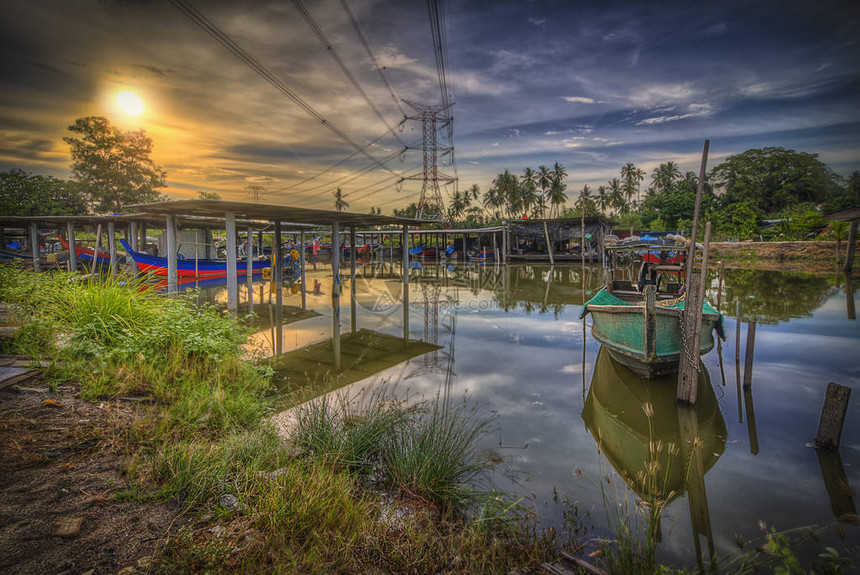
(196,17)
(309,20)
(371,55)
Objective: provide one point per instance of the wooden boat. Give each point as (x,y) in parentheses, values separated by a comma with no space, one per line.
(614,413)
(199,268)
(646,340)
(86,255)
(416,251)
(482,256)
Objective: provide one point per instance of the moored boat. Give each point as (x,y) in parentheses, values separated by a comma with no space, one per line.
(199,268)
(86,255)
(647,337)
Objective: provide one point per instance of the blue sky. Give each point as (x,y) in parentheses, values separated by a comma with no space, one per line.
(590,85)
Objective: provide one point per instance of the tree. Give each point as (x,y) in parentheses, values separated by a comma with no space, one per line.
(340,203)
(113,166)
(457,205)
(631,176)
(664,176)
(557,197)
(616,195)
(737,221)
(529,197)
(203,195)
(774,179)
(23,194)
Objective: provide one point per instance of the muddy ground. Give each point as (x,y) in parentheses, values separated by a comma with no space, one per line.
(62,476)
(813,257)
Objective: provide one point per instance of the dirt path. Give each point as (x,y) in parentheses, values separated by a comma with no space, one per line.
(61,481)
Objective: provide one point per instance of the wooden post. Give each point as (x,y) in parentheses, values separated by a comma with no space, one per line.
(111,238)
(73,254)
(464,247)
(549,244)
(141,228)
(849,296)
(832,416)
(691,318)
(750,352)
(303,252)
(504,242)
(405,259)
(34,246)
(335,291)
(852,241)
(751,426)
(172,260)
(131,234)
(279,292)
(691,253)
(232,272)
(722,268)
(352,293)
(97,247)
(650,311)
(249,267)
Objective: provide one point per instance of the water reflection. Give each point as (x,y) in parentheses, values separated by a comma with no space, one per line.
(771,297)
(660,448)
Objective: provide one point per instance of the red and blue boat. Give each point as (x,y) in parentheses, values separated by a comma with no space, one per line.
(194,268)
(86,255)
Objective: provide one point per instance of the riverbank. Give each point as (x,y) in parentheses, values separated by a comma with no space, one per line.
(812,256)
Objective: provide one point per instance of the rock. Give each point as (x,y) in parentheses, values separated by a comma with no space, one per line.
(218,531)
(229,502)
(68,526)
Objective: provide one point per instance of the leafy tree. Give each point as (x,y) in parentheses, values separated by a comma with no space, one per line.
(23,194)
(631,177)
(557,197)
(340,203)
(407,212)
(113,166)
(738,221)
(801,222)
(664,176)
(678,203)
(773,179)
(203,195)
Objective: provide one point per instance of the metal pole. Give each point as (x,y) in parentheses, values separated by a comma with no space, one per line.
(172,263)
(34,245)
(352,294)
(132,235)
(112,248)
(405,283)
(73,254)
(302,260)
(279,292)
(249,267)
(335,292)
(232,272)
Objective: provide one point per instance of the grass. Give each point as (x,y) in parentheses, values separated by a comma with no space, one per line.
(202,433)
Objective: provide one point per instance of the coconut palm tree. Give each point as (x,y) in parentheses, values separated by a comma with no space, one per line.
(340,203)
(457,206)
(663,176)
(616,195)
(544,181)
(632,176)
(528,189)
(602,199)
(557,197)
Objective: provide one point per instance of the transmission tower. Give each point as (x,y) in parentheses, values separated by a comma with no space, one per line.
(431,206)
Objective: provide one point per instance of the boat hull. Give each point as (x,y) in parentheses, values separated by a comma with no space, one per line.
(203,269)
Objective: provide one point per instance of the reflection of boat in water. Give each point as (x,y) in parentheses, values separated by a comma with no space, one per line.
(646,339)
(615,414)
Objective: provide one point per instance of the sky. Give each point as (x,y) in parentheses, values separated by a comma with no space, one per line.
(591,85)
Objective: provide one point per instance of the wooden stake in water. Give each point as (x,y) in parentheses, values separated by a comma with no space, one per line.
(722,267)
(691,252)
(832,416)
(691,318)
(748,357)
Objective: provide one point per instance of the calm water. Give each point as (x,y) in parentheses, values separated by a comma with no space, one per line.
(515,346)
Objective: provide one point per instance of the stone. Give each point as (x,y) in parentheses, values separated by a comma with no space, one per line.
(68,526)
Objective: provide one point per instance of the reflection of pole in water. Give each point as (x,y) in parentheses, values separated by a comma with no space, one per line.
(849,295)
(750,353)
(352,294)
(279,294)
(738,360)
(335,291)
(751,428)
(836,483)
(700,517)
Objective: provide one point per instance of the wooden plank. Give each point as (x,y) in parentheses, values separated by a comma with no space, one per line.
(583,564)
(11,375)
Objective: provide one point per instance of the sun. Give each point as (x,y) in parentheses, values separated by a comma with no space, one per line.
(130,103)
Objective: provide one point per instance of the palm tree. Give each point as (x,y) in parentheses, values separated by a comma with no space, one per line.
(602,199)
(556,193)
(631,176)
(582,200)
(544,181)
(340,203)
(458,205)
(493,198)
(616,195)
(528,189)
(663,176)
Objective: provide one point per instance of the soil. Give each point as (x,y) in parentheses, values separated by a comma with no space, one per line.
(61,469)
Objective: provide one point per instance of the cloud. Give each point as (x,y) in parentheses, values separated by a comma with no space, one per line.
(579,100)
(541,22)
(651,95)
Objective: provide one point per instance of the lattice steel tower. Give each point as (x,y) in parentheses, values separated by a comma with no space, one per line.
(431,206)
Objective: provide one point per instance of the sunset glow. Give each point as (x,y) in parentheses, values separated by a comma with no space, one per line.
(130,103)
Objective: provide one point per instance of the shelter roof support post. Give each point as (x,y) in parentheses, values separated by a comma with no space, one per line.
(852,241)
(73,254)
(111,239)
(249,269)
(34,245)
(352,294)
(279,293)
(232,274)
(141,228)
(302,251)
(172,258)
(335,292)
(131,234)
(406,283)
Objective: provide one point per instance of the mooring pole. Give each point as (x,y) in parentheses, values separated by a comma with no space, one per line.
(691,252)
(405,283)
(249,267)
(232,268)
(722,268)
(303,252)
(111,237)
(279,292)
(335,291)
(748,357)
(73,254)
(352,293)
(34,246)
(172,259)
(691,321)
(852,241)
